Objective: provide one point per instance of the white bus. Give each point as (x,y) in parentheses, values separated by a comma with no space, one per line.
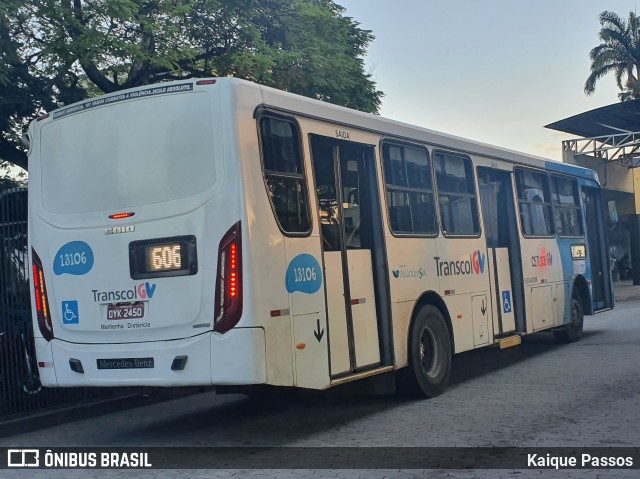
(219,232)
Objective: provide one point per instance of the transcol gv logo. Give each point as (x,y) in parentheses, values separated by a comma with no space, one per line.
(474,265)
(543,261)
(141,291)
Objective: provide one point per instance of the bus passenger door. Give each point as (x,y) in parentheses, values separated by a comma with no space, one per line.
(503,248)
(597,249)
(343,190)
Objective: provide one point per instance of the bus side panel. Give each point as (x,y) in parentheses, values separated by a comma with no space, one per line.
(571,269)
(401,313)
(238,357)
(462,321)
(264,243)
(463,271)
(310,329)
(411,273)
(542,272)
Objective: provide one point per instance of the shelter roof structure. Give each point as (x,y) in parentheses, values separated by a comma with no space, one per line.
(611,133)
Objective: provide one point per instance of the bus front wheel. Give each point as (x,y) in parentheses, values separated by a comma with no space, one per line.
(429,355)
(572,332)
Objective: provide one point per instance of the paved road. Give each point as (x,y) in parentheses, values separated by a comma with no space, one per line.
(540,394)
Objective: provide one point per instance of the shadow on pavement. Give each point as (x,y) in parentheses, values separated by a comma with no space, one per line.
(241,420)
(476,363)
(279,418)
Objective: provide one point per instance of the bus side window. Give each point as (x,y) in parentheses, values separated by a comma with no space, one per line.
(284,173)
(534,203)
(566,206)
(410,198)
(456,194)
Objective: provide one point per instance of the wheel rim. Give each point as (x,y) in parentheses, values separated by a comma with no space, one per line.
(430,353)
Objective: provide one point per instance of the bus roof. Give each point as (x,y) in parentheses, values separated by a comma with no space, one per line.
(288,102)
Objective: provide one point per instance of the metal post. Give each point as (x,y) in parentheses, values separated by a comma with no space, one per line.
(635,249)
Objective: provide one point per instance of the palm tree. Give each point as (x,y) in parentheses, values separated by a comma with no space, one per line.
(618,53)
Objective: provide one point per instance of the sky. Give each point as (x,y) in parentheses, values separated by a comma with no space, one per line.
(494,71)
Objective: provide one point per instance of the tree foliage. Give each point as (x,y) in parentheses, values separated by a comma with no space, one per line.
(54,52)
(618,53)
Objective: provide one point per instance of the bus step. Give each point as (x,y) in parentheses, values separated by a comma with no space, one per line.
(364,374)
(509,342)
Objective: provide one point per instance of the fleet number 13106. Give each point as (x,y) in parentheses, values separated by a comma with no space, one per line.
(305,274)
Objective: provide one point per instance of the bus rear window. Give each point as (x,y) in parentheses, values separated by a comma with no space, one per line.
(128,154)
(284,174)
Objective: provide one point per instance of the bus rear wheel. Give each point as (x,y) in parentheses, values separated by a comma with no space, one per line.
(572,332)
(429,355)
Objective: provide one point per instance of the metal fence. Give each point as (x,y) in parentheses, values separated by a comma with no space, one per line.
(20,389)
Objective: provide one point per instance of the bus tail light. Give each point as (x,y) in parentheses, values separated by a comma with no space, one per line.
(42,301)
(228,303)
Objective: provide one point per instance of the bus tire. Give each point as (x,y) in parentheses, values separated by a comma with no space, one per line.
(429,355)
(572,332)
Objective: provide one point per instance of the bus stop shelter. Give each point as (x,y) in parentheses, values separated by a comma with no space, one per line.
(607,139)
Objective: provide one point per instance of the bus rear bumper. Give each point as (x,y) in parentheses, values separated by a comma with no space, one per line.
(237,357)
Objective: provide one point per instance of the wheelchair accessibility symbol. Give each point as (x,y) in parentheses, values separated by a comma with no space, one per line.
(506,301)
(70,312)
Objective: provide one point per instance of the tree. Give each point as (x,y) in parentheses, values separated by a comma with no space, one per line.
(618,53)
(16,97)
(68,50)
